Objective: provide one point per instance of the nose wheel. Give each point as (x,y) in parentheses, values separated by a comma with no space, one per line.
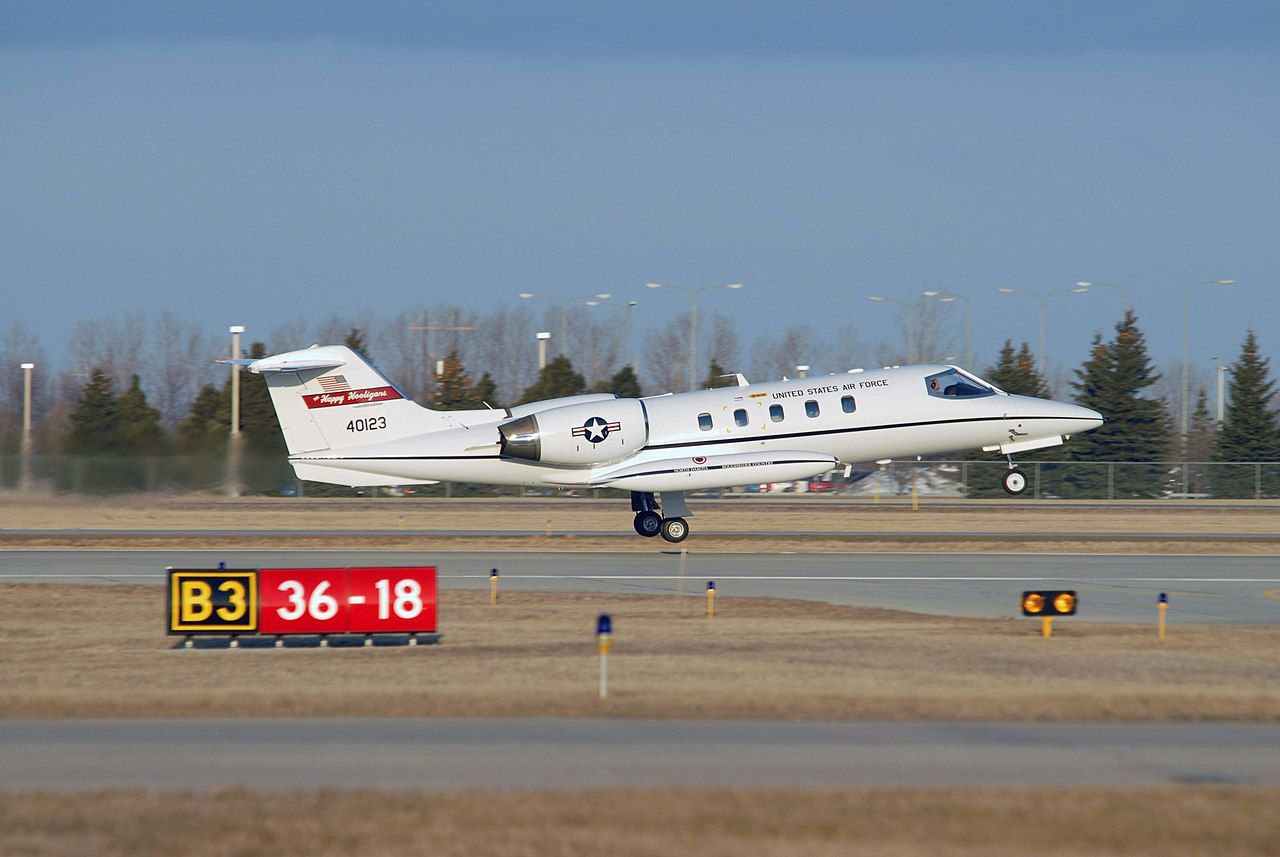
(1014,481)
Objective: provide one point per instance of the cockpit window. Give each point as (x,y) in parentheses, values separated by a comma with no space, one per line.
(952,385)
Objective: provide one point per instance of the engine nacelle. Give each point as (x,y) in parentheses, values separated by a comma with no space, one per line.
(584,434)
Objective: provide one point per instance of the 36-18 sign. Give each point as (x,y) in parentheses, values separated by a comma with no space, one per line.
(303,601)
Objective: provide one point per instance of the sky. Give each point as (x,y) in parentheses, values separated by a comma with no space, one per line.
(255,162)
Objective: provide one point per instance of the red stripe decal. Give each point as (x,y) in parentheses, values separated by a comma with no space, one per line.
(352,397)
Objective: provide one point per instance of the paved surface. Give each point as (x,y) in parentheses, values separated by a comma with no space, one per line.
(1121,587)
(563,754)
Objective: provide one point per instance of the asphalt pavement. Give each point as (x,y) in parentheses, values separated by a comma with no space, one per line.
(1224,589)
(442,754)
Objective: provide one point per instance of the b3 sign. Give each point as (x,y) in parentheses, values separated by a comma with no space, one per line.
(303,601)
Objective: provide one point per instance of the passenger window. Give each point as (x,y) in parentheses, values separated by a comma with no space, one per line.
(848,404)
(952,385)
(811,408)
(740,417)
(704,422)
(775,413)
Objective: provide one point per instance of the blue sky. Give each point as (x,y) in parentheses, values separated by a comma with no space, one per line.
(256,161)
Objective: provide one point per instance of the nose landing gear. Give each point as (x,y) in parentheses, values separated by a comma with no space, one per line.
(1014,480)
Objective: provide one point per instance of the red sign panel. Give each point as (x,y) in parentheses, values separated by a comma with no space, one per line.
(352,397)
(342,600)
(391,599)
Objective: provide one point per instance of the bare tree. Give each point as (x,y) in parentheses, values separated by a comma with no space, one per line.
(666,364)
(774,359)
(179,360)
(114,345)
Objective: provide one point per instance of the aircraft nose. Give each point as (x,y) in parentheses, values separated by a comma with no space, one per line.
(1076,412)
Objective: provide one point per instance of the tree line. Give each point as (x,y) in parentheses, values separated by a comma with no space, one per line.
(186,409)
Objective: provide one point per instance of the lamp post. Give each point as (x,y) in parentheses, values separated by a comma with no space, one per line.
(25,483)
(911,322)
(952,297)
(1220,371)
(1186,346)
(543,336)
(1084,285)
(693,320)
(631,342)
(233,444)
(565,303)
(802,369)
(1043,297)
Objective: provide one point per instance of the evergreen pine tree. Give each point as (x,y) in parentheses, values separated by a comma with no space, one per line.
(453,390)
(140,423)
(95,425)
(624,384)
(1250,430)
(715,373)
(485,393)
(258,420)
(1113,382)
(555,380)
(1016,372)
(204,429)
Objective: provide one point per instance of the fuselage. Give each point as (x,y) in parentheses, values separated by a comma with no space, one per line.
(857,416)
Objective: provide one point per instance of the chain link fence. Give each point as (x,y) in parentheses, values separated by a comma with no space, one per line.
(1046,480)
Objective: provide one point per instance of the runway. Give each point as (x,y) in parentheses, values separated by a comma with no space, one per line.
(441,754)
(1228,589)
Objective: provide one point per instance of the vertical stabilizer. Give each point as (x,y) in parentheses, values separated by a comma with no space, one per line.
(329,398)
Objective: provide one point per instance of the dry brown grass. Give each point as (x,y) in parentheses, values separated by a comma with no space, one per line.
(734,823)
(99,651)
(432,524)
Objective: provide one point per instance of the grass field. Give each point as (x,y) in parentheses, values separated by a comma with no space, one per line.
(1171,822)
(99,651)
(744,524)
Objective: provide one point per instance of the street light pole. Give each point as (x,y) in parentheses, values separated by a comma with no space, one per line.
(1186,347)
(951,297)
(543,336)
(233,445)
(911,322)
(1043,297)
(564,312)
(25,483)
(1221,409)
(693,320)
(1085,285)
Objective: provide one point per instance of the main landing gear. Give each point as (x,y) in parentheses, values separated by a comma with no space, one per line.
(650,523)
(1014,480)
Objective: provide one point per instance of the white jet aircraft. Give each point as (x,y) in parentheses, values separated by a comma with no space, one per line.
(346,424)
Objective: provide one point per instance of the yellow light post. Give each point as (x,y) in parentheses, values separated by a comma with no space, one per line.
(1163,608)
(493,586)
(711,599)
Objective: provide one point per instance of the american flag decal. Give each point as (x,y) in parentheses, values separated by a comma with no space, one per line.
(333,383)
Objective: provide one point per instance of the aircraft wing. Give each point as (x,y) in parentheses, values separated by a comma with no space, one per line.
(693,473)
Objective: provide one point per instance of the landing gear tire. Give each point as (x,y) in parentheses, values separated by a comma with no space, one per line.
(1014,482)
(675,530)
(648,524)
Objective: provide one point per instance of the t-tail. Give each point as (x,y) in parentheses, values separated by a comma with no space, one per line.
(330,398)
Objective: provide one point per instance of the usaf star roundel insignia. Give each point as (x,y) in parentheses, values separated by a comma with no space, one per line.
(596,429)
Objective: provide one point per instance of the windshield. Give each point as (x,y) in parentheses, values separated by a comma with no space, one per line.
(953,385)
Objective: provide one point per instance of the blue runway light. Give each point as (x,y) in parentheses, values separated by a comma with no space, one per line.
(1164,598)
(604,625)
(711,586)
